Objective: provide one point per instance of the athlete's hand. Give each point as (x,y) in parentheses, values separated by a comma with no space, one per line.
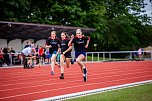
(48,46)
(72,36)
(59,50)
(63,53)
(33,56)
(86,46)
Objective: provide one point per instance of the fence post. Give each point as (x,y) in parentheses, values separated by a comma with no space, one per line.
(110,56)
(103,56)
(98,57)
(86,56)
(130,56)
(92,56)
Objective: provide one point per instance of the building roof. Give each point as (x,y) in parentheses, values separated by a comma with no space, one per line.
(17,30)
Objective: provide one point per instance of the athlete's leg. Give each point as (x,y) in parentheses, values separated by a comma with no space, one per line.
(62,59)
(56,63)
(79,61)
(53,63)
(68,60)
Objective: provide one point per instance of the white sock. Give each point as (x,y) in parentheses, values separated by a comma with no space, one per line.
(83,67)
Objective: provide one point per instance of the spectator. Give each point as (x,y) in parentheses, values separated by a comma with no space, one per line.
(32,45)
(1,57)
(48,56)
(140,53)
(135,54)
(27,52)
(6,60)
(28,44)
(40,51)
(13,55)
(37,48)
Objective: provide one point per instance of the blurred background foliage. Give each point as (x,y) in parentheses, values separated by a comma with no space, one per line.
(119,24)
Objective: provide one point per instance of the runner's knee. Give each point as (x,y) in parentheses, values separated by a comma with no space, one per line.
(77,60)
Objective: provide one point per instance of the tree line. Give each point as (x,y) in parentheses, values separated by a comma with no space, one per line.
(119,24)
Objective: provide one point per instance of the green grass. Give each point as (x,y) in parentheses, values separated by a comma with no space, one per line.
(89,58)
(138,93)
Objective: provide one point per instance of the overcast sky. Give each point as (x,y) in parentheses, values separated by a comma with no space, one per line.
(148,8)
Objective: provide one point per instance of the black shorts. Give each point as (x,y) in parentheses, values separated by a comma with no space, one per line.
(67,55)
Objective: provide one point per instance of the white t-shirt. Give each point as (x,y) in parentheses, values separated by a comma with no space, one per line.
(27,51)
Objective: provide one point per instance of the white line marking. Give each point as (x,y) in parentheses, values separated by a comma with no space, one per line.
(83,85)
(57,67)
(95,91)
(47,74)
(96,74)
(70,81)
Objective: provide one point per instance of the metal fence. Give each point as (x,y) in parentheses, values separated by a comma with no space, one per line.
(16,59)
(117,56)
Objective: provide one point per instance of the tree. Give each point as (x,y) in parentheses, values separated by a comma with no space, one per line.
(116,21)
(12,10)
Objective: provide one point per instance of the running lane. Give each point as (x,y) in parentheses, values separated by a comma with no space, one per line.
(18,84)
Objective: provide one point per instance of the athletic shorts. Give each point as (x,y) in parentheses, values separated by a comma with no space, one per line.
(53,52)
(48,56)
(77,53)
(67,55)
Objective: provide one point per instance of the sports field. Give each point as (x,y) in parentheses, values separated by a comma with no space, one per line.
(18,84)
(138,93)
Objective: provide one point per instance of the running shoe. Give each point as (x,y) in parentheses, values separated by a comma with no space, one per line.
(52,72)
(85,74)
(61,77)
(72,61)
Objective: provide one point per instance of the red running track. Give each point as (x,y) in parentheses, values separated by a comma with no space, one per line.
(18,84)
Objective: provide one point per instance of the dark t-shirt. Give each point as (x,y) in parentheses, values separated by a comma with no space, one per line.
(64,44)
(54,43)
(5,50)
(79,43)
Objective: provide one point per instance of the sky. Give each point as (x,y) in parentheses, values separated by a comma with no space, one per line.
(148,9)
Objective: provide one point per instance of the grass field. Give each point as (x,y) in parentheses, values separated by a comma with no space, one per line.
(138,93)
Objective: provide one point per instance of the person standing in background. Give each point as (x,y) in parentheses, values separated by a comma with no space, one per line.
(140,53)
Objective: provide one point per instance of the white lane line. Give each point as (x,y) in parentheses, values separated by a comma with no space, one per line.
(95,91)
(43,75)
(83,85)
(71,76)
(21,71)
(27,73)
(45,67)
(98,77)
